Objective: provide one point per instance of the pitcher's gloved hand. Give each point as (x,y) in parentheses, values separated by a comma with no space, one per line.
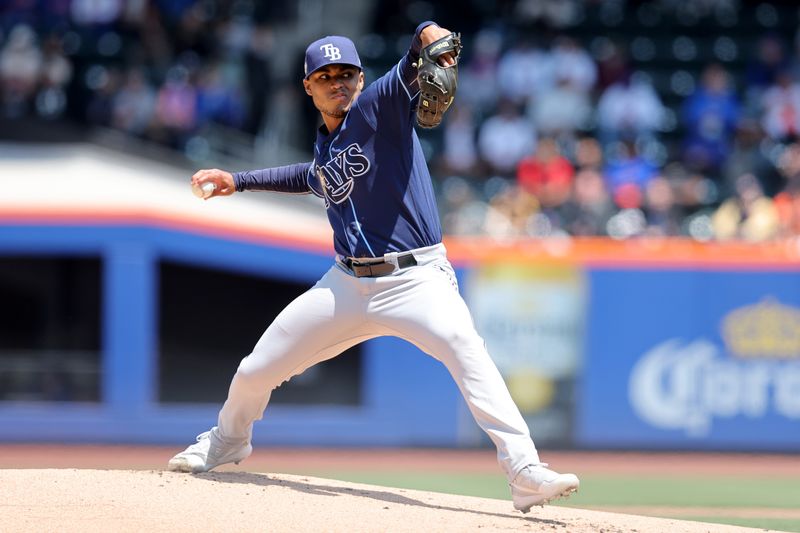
(437,83)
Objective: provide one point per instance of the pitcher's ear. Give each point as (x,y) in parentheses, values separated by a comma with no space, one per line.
(307,87)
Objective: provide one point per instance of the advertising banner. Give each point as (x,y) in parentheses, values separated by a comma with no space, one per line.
(531,317)
(692,359)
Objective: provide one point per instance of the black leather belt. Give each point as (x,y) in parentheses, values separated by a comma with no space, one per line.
(369,267)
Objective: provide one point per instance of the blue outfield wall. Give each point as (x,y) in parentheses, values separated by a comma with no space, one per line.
(408,397)
(668,357)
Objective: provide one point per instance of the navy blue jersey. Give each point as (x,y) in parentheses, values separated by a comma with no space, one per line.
(371,170)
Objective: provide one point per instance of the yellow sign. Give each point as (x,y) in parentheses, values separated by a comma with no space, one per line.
(767,329)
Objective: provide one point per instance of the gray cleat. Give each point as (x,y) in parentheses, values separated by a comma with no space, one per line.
(209,452)
(538,485)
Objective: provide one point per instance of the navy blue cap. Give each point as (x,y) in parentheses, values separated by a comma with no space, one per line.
(330,50)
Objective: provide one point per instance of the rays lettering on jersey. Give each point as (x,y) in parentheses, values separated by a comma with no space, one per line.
(336,176)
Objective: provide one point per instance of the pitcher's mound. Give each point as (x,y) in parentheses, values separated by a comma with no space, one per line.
(119,500)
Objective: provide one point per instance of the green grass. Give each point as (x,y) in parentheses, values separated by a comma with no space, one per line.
(601,491)
(728,491)
(775,524)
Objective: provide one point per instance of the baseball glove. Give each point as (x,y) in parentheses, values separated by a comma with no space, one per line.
(437,84)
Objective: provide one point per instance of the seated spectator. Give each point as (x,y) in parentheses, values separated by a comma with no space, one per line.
(546,174)
(133,106)
(20,68)
(780,108)
(505,138)
(176,107)
(627,174)
(629,108)
(694,192)
(710,116)
(218,100)
(748,155)
(589,208)
(748,215)
(662,215)
(588,154)
(524,71)
(573,63)
(561,110)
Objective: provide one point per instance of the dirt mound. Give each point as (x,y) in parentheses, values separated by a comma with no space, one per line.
(67,500)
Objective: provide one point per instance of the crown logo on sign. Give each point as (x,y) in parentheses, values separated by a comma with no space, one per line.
(767,329)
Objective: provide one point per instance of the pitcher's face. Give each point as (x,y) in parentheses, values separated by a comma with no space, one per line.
(334,88)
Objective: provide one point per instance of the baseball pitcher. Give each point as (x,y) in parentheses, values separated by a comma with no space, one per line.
(391,275)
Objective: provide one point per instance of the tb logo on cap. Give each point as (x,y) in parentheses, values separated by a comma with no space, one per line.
(331,52)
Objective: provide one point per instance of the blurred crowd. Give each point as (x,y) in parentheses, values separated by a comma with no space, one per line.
(551,137)
(555,131)
(162,70)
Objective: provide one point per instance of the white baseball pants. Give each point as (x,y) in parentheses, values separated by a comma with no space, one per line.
(420,304)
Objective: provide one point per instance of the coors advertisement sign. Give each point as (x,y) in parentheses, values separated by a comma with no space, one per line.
(704,363)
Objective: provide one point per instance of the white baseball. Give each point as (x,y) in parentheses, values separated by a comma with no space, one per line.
(204,191)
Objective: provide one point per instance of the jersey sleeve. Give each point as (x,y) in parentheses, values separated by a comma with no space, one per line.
(391,101)
(289,179)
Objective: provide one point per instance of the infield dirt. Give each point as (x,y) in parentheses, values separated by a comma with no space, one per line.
(72,500)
